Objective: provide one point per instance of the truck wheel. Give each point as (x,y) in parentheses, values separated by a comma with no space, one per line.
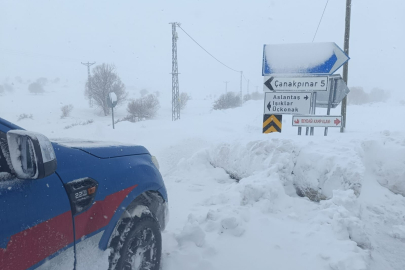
(141,245)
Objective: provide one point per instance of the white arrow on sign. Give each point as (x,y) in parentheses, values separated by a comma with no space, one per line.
(308,83)
(317,121)
(287,103)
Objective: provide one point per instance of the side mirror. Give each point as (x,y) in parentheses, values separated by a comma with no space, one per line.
(31,154)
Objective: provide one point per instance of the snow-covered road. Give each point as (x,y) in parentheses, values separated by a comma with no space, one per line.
(233,190)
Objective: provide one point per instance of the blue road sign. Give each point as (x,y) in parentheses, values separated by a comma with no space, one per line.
(305,59)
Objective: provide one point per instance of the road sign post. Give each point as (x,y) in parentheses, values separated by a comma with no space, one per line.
(287,103)
(339,92)
(272,123)
(112,102)
(331,98)
(294,71)
(317,120)
(302,83)
(305,59)
(313,110)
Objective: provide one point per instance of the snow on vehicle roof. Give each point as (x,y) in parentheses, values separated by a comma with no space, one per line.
(74,143)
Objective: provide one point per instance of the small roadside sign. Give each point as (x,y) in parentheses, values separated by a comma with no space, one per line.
(306,83)
(317,121)
(272,123)
(112,100)
(339,90)
(287,103)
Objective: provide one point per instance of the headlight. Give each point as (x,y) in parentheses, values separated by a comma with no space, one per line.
(155,161)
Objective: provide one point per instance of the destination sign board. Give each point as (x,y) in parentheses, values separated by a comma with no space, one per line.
(287,103)
(317,121)
(307,83)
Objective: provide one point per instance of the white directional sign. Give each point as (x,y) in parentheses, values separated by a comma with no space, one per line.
(308,83)
(317,121)
(339,91)
(287,103)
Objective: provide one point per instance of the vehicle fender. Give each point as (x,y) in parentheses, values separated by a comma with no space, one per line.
(103,244)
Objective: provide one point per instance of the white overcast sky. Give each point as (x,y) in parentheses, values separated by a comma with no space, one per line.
(50,38)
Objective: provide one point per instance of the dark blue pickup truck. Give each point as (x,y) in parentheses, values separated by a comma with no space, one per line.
(57,196)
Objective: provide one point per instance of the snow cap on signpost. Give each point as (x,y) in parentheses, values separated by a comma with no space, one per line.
(112,100)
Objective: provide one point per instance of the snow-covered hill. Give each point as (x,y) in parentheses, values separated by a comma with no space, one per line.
(233,190)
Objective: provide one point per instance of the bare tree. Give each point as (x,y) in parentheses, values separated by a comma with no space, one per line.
(144,107)
(144,92)
(184,97)
(35,88)
(103,81)
(66,110)
(226,101)
(42,81)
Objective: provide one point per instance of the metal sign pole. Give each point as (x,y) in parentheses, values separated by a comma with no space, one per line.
(112,109)
(346,65)
(313,110)
(331,95)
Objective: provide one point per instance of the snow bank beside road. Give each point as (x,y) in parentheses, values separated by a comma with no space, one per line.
(386,160)
(253,216)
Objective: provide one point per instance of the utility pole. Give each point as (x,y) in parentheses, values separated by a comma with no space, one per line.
(346,65)
(257,88)
(248,87)
(88,64)
(226,86)
(175,77)
(241,98)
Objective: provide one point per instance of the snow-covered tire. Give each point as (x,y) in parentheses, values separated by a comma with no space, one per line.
(139,245)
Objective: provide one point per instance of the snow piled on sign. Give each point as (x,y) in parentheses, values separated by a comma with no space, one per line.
(113,97)
(297,58)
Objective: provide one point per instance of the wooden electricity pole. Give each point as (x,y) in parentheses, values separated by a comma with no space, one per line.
(346,65)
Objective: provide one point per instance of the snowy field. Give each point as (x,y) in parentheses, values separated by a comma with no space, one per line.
(233,190)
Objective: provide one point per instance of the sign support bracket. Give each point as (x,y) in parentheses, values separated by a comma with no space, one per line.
(331,97)
(313,110)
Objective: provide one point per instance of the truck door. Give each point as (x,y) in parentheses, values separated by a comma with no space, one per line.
(36,228)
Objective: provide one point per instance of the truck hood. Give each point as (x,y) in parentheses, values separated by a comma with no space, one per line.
(103,149)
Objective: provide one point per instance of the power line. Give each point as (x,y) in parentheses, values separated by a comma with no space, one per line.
(244,78)
(320,20)
(207,51)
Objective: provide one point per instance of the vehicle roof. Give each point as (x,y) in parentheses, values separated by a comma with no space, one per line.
(8,124)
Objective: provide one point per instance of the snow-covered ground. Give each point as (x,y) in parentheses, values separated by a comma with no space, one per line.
(233,190)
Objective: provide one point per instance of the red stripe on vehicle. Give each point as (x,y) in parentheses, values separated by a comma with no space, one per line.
(100,214)
(35,244)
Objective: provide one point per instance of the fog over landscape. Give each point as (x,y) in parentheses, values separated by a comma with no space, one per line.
(50,39)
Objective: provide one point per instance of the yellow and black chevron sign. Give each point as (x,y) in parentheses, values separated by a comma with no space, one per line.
(272,123)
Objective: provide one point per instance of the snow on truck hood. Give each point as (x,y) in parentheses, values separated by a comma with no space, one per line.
(103,149)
